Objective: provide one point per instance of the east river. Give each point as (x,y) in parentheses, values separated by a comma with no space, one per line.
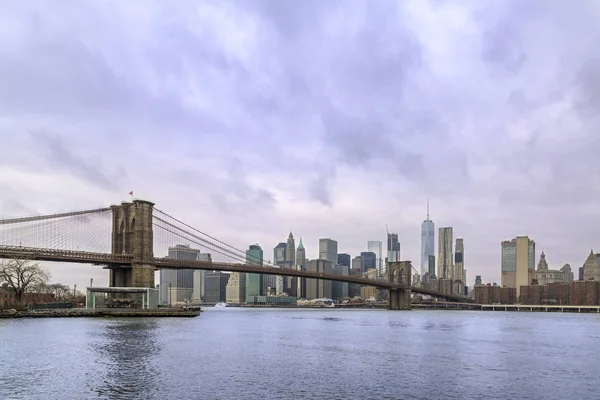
(237,353)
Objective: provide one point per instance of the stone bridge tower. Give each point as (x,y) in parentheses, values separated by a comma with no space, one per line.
(400,272)
(132,235)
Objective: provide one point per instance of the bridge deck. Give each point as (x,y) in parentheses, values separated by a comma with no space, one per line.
(124,261)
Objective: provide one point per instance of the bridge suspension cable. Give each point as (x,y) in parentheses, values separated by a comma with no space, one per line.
(187,236)
(87,230)
(215,244)
(51,216)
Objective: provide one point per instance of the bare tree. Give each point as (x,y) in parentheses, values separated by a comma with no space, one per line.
(20,275)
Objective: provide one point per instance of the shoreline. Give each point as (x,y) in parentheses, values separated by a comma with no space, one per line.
(99,313)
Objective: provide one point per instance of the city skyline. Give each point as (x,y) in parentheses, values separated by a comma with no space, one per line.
(462,103)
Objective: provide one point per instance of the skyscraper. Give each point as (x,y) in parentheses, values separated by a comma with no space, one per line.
(179,285)
(254,282)
(328,250)
(445,258)
(427,242)
(301,265)
(518,262)
(290,285)
(235,292)
(344,259)
(374,246)
(393,249)
(273,281)
(369,261)
(290,249)
(431,267)
(339,290)
(318,288)
(459,257)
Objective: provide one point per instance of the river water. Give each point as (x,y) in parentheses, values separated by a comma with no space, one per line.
(239,353)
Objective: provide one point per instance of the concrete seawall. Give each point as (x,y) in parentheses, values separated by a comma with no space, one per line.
(100,313)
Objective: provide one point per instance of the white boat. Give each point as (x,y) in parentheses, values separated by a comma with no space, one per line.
(221,305)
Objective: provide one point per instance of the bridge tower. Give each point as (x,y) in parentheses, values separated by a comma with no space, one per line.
(400,272)
(132,235)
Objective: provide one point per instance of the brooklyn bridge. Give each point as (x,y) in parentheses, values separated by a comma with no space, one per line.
(128,239)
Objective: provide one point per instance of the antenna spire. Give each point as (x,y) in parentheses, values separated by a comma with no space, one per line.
(428,208)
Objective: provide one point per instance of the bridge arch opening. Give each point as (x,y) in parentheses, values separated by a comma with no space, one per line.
(130,234)
(120,233)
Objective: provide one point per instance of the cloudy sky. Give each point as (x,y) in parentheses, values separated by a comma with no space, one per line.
(247,119)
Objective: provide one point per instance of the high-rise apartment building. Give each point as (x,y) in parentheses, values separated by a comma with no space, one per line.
(393,249)
(427,242)
(318,288)
(375,246)
(182,285)
(518,263)
(254,282)
(445,258)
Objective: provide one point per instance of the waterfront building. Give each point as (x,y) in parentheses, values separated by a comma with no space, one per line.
(181,285)
(216,286)
(199,279)
(339,290)
(374,246)
(444,259)
(274,301)
(254,282)
(370,292)
(518,257)
(427,243)
(236,288)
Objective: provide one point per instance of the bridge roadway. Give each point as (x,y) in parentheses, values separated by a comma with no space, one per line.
(82,257)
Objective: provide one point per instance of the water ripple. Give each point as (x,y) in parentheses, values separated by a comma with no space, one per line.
(301,354)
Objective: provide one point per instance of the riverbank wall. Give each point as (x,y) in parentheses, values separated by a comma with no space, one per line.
(101,313)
